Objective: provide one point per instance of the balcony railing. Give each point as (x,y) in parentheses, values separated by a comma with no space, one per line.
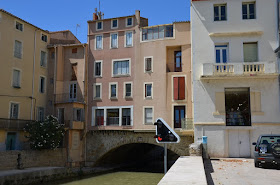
(187,124)
(242,68)
(112,121)
(13,124)
(66,98)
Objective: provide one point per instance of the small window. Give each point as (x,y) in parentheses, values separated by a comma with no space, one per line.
(74,50)
(98,69)
(16,78)
(18,49)
(113,90)
(42,84)
(78,114)
(19,26)
(44,38)
(128,39)
(14,110)
(129,21)
(99,42)
(220,12)
(97,91)
(40,114)
(249,10)
(121,68)
(73,92)
(221,53)
(114,40)
(148,115)
(126,117)
(148,64)
(114,23)
(99,25)
(43,61)
(128,90)
(148,90)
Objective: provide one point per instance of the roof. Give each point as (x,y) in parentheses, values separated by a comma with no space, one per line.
(8,13)
(66,45)
(53,32)
(114,18)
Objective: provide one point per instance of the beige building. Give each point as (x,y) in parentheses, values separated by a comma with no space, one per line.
(67,90)
(24,71)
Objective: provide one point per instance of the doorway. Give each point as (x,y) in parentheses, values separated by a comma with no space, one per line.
(239,143)
(11,141)
(179,116)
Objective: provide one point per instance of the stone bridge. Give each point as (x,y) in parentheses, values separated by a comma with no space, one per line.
(100,143)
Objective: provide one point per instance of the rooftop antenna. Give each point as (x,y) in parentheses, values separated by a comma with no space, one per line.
(77,25)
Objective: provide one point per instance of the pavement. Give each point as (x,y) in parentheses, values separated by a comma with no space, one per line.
(231,171)
(26,170)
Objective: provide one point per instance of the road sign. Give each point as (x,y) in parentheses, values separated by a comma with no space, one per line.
(164,133)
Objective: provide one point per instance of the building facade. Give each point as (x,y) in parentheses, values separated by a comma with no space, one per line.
(236,75)
(24,72)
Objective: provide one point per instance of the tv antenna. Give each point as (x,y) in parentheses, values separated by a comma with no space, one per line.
(77,25)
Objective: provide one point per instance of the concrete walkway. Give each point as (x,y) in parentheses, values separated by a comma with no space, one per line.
(186,170)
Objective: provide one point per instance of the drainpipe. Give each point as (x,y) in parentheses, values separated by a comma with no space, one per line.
(85,105)
(54,78)
(33,76)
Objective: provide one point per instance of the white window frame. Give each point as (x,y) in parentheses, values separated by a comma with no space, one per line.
(148,97)
(144,114)
(219,45)
(124,90)
(248,10)
(97,26)
(15,48)
(94,91)
(42,39)
(101,67)
(126,21)
(120,75)
(220,15)
(115,33)
(125,39)
(112,24)
(110,90)
(20,74)
(152,68)
(37,115)
(71,90)
(46,59)
(45,85)
(16,21)
(95,42)
(10,106)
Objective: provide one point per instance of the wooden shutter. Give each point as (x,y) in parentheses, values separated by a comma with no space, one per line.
(250,51)
(220,102)
(181,88)
(175,88)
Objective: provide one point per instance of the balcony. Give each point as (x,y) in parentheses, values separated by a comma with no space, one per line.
(75,125)
(230,70)
(67,98)
(187,124)
(13,124)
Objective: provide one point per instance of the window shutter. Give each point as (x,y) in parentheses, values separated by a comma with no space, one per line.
(220,102)
(75,114)
(250,51)
(175,88)
(181,88)
(255,99)
(83,115)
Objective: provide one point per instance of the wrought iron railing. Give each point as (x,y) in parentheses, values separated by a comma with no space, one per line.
(67,98)
(13,124)
(112,121)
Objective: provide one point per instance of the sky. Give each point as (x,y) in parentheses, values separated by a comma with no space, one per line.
(57,15)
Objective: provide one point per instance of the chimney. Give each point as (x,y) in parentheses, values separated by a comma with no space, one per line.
(95,17)
(137,15)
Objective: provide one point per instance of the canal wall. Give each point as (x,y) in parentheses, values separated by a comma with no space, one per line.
(32,158)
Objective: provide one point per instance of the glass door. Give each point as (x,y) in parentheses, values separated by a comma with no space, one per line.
(179,116)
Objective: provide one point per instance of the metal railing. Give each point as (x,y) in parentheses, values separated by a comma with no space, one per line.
(112,121)
(170,67)
(187,124)
(13,124)
(66,98)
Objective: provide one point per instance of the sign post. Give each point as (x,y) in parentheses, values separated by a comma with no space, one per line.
(165,134)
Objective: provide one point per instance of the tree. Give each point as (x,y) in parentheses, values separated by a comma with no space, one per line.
(45,135)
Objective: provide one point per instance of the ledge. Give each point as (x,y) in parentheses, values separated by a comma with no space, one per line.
(232,77)
(236,34)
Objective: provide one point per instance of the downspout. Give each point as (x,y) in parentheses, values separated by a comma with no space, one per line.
(33,76)
(54,78)
(85,105)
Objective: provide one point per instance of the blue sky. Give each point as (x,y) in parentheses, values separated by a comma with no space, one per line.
(56,15)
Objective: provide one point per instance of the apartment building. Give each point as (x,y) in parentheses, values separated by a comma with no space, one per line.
(24,73)
(235,73)
(67,90)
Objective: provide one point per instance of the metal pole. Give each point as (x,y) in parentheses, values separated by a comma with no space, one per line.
(165,158)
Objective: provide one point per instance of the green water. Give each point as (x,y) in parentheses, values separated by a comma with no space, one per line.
(121,178)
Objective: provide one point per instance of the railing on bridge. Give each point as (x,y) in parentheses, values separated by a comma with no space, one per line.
(13,124)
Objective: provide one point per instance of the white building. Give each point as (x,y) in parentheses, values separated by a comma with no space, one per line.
(235,73)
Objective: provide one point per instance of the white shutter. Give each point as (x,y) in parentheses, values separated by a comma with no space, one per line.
(250,51)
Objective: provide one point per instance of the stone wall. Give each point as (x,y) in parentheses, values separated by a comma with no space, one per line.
(32,158)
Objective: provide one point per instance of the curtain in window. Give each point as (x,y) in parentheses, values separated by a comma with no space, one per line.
(18,48)
(98,42)
(250,52)
(121,67)
(114,40)
(129,39)
(16,78)
(148,115)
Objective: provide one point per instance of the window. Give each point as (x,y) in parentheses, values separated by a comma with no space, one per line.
(126,117)
(220,12)
(18,49)
(97,91)
(60,115)
(99,42)
(74,72)
(179,116)
(114,40)
(250,52)
(52,55)
(249,10)
(148,64)
(99,26)
(43,61)
(73,92)
(221,53)
(178,61)
(128,39)
(113,117)
(16,78)
(148,90)
(148,115)
(44,38)
(99,117)
(74,50)
(40,114)
(19,26)
(98,68)
(42,84)
(179,88)
(14,110)
(113,90)
(114,23)
(129,21)
(121,67)
(128,89)
(78,114)
(157,32)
